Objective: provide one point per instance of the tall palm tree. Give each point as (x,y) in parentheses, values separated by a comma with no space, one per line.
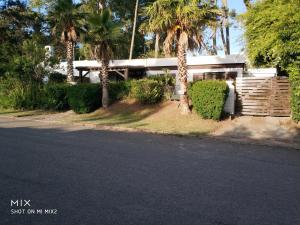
(225,22)
(184,21)
(64,17)
(103,34)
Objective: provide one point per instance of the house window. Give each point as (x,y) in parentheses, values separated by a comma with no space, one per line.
(215,76)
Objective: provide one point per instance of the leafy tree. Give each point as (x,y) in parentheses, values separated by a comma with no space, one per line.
(184,21)
(103,34)
(272,36)
(64,17)
(17,24)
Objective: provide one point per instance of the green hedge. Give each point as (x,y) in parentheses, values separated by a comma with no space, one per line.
(294,76)
(56,77)
(55,97)
(118,90)
(147,91)
(208,98)
(84,98)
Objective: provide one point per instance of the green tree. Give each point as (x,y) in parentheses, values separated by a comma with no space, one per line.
(17,24)
(103,35)
(184,21)
(64,18)
(272,34)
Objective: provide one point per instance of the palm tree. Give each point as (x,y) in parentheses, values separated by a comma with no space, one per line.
(64,16)
(134,28)
(225,22)
(103,34)
(214,51)
(183,21)
(247,3)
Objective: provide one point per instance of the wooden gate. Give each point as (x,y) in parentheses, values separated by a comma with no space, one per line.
(263,96)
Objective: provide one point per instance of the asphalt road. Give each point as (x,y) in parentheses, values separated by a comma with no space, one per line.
(99,177)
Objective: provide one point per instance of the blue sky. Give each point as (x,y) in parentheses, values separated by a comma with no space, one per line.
(236,31)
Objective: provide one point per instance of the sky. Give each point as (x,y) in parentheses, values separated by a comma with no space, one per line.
(236,31)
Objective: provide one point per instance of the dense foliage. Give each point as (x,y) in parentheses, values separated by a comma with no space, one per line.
(56,77)
(168,83)
(55,97)
(118,90)
(272,37)
(84,98)
(20,95)
(208,98)
(294,73)
(147,91)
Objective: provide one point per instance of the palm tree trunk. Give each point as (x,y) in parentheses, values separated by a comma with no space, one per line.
(104,76)
(226,23)
(224,41)
(157,37)
(70,72)
(182,73)
(213,3)
(134,28)
(214,50)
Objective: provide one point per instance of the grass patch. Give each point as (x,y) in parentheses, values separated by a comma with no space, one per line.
(21,113)
(161,118)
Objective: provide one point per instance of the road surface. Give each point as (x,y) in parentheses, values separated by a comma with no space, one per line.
(68,175)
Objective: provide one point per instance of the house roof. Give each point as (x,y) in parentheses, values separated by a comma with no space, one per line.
(163,62)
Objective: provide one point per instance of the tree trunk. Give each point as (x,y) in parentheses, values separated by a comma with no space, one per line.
(70,72)
(215,51)
(157,37)
(133,31)
(104,79)
(223,40)
(182,73)
(226,24)
(213,3)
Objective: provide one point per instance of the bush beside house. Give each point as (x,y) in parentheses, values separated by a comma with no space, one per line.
(208,98)
(118,90)
(84,98)
(147,91)
(55,97)
(294,72)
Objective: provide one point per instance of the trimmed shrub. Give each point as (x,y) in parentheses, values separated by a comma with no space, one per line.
(294,77)
(147,91)
(57,77)
(55,97)
(84,98)
(208,98)
(118,90)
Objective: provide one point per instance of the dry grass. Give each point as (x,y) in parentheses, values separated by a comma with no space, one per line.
(162,118)
(21,113)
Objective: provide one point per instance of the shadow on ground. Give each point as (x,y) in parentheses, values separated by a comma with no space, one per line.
(116,115)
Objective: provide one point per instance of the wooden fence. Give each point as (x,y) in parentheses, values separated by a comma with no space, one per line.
(263,96)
